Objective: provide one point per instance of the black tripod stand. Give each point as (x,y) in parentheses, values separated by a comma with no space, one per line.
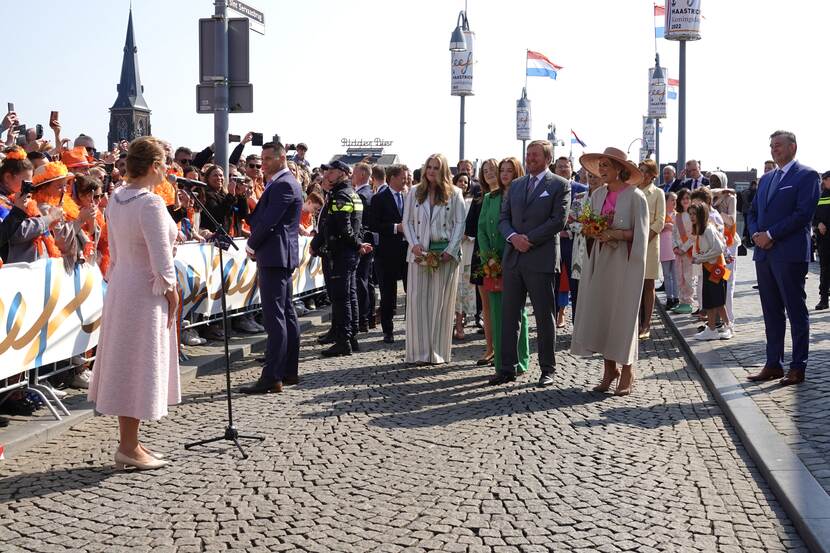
(223,241)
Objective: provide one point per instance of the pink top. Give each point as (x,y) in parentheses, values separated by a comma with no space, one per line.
(666,251)
(610,204)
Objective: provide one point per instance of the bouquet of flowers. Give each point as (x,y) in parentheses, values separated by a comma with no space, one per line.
(431,260)
(491,271)
(593,224)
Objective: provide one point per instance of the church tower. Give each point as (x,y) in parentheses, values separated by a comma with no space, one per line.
(129,115)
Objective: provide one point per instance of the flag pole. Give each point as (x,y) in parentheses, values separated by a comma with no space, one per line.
(526,54)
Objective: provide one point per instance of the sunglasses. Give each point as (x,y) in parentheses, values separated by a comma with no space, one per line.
(185,161)
(254,166)
(97,197)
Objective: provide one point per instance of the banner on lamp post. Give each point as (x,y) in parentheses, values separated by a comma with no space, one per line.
(656,95)
(523,119)
(462,68)
(644,154)
(682,20)
(649,133)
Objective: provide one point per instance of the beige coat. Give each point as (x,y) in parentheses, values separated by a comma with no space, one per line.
(656,200)
(611,285)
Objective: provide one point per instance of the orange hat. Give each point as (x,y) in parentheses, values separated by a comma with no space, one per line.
(76,157)
(52,171)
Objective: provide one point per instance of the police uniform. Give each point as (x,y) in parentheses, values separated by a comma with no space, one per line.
(822,215)
(341,235)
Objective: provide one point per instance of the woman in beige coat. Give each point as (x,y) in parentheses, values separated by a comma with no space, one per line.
(607,318)
(433,221)
(656,219)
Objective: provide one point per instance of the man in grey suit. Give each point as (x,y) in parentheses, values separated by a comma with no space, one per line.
(533,213)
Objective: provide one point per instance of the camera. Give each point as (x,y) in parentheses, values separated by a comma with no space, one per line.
(238,178)
(38,131)
(26,187)
(290,147)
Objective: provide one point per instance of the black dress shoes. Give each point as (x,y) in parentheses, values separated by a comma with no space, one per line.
(290,380)
(262,387)
(388,339)
(327,338)
(822,305)
(338,349)
(501,378)
(545,380)
(354,344)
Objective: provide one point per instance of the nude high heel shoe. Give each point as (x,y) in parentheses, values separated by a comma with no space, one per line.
(625,389)
(607,379)
(123,461)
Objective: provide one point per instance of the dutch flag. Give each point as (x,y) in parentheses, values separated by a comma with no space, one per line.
(576,140)
(671,88)
(659,21)
(540,66)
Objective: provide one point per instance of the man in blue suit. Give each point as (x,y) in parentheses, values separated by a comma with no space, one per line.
(274,246)
(779,224)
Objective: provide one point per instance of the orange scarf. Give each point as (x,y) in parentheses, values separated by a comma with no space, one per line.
(45,243)
(681,228)
(729,233)
(717,270)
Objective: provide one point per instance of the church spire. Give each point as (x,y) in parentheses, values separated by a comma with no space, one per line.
(130,89)
(129,115)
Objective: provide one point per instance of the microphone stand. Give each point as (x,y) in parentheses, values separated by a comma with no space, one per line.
(223,241)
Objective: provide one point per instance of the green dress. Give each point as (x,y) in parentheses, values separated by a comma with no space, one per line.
(490,239)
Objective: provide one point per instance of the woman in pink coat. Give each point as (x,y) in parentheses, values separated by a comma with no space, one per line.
(136,372)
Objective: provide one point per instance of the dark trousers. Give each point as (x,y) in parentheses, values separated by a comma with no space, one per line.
(517,284)
(392,273)
(327,280)
(342,270)
(781,290)
(824,264)
(365,289)
(282,353)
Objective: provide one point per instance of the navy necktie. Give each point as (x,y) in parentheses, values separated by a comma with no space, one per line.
(776,178)
(399,202)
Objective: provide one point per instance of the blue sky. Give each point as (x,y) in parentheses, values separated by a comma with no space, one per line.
(329,69)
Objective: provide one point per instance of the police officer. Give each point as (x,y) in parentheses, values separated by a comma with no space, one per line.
(342,240)
(821,230)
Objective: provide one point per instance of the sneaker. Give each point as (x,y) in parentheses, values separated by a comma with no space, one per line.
(191,338)
(247,325)
(708,334)
(60,394)
(683,309)
(725,333)
(259,327)
(78,360)
(81,379)
(310,305)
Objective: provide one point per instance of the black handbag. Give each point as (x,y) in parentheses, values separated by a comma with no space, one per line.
(742,250)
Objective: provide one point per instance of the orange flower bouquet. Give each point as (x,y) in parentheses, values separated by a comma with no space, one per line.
(491,271)
(593,224)
(430,260)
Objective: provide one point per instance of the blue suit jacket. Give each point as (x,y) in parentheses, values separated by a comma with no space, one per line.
(275,224)
(787,215)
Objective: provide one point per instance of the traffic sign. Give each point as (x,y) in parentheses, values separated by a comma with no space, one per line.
(256,17)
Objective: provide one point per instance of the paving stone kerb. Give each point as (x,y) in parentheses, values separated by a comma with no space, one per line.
(769,417)
(369,454)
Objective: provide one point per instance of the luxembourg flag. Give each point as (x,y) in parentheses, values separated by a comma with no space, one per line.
(659,21)
(671,88)
(540,66)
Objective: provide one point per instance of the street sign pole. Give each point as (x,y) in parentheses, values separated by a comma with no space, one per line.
(220,107)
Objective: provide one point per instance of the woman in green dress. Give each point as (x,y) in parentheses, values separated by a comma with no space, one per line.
(491,243)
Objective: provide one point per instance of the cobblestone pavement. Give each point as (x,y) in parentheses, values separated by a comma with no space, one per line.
(368,454)
(799,413)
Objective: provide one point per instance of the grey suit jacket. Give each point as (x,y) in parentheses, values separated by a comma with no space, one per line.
(541,217)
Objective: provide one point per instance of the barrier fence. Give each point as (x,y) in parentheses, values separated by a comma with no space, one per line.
(48,316)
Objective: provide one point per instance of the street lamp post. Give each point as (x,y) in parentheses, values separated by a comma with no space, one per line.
(657,102)
(461,48)
(523,121)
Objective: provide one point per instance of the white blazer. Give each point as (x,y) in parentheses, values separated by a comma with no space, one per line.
(446,222)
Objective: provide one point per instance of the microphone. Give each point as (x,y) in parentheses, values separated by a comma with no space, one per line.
(181,181)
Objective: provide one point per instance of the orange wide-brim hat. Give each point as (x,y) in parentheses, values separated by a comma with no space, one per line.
(52,171)
(76,158)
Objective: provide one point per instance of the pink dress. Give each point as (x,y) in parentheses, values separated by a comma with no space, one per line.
(136,371)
